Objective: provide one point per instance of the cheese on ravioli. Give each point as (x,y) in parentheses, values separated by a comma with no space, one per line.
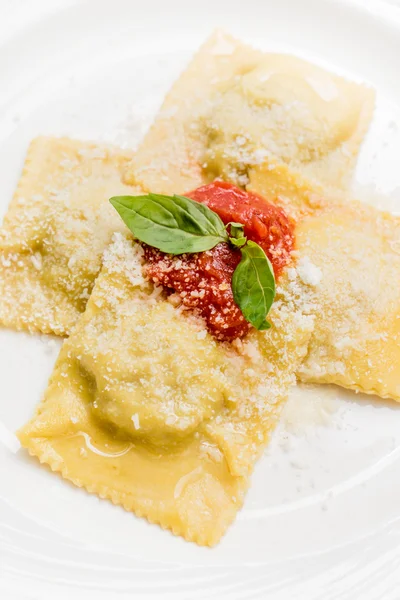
(55,231)
(147,409)
(355,251)
(235,106)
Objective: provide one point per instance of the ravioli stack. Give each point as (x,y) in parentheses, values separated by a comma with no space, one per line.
(144,406)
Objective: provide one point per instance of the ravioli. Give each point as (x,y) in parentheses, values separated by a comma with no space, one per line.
(55,231)
(234,107)
(144,407)
(356,249)
(147,409)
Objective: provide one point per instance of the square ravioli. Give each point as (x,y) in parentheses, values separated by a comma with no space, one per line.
(147,409)
(55,231)
(355,252)
(235,106)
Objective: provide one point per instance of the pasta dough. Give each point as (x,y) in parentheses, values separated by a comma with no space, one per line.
(235,106)
(145,408)
(55,231)
(356,340)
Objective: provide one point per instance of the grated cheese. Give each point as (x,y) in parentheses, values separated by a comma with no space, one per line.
(309,273)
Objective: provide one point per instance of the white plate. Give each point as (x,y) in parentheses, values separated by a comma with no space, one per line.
(322,519)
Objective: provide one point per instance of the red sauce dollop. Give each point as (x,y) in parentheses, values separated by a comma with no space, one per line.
(203,280)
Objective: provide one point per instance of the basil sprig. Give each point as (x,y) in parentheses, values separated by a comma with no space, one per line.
(179,225)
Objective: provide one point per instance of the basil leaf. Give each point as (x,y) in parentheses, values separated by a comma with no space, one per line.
(253,285)
(236,230)
(236,234)
(173,224)
(238,242)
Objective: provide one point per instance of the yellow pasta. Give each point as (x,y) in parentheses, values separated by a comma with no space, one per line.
(144,406)
(55,232)
(234,107)
(147,409)
(356,249)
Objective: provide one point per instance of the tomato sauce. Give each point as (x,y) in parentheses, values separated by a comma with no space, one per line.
(202,281)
